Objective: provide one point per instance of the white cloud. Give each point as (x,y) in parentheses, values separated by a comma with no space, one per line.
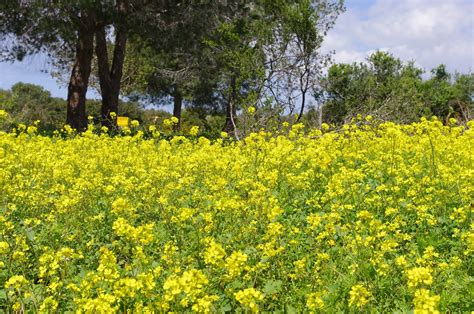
(428,31)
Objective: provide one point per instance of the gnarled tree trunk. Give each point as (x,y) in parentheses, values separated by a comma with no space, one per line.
(231,111)
(110,76)
(177,107)
(78,83)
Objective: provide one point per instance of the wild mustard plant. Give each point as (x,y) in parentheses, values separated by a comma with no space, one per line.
(371,217)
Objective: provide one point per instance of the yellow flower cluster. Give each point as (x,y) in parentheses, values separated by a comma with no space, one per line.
(3,247)
(194,131)
(425,303)
(249,298)
(141,234)
(419,276)
(369,217)
(168,123)
(359,296)
(214,253)
(16,282)
(235,263)
(189,288)
(314,302)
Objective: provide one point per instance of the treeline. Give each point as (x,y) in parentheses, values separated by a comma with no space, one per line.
(215,55)
(383,87)
(389,89)
(30,104)
(215,62)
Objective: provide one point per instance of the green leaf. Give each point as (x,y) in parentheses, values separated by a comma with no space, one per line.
(225,308)
(272,287)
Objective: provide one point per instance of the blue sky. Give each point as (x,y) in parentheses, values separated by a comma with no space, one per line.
(430,32)
(427,31)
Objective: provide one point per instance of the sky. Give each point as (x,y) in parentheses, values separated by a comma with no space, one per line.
(429,32)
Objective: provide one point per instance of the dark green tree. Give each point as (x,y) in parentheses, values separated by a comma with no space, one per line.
(392,90)
(62,30)
(65,31)
(27,103)
(448,96)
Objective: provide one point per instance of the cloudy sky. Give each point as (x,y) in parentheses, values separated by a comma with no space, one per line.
(430,32)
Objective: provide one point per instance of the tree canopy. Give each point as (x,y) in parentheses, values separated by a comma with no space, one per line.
(220,58)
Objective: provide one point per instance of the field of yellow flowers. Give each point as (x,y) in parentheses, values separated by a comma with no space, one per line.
(375,218)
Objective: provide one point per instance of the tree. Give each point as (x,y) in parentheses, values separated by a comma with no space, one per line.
(346,88)
(463,103)
(239,58)
(287,62)
(308,23)
(77,89)
(27,103)
(382,86)
(448,96)
(64,31)
(221,60)
(110,73)
(231,69)
(392,90)
(164,57)
(165,75)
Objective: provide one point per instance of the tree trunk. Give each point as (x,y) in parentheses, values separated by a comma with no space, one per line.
(304,82)
(229,125)
(110,77)
(177,106)
(78,83)
(231,111)
(303,102)
(320,116)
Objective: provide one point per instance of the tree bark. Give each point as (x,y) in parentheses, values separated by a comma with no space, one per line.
(304,82)
(110,77)
(320,116)
(231,111)
(229,125)
(177,107)
(78,83)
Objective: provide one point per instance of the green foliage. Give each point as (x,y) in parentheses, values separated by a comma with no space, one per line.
(262,54)
(27,103)
(375,218)
(391,90)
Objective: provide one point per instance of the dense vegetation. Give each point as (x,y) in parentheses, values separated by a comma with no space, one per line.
(280,182)
(347,90)
(393,91)
(373,217)
(242,53)
(260,54)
